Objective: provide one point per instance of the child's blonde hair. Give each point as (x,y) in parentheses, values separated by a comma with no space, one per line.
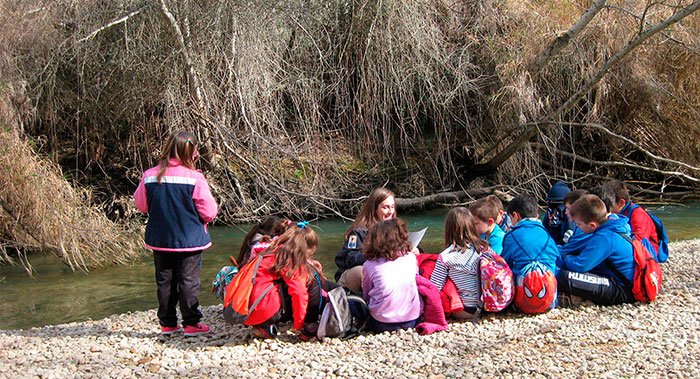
(181,145)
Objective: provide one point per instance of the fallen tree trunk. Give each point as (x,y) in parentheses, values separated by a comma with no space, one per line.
(441,198)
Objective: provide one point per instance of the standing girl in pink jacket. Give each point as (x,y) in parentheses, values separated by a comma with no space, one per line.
(179,206)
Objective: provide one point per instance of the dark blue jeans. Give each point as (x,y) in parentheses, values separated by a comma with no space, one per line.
(177,277)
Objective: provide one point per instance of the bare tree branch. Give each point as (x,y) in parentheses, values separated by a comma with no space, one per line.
(683,13)
(563,40)
(617,164)
(192,75)
(115,22)
(671,38)
(530,131)
(629,141)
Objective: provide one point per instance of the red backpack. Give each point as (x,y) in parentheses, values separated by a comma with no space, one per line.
(647,271)
(237,301)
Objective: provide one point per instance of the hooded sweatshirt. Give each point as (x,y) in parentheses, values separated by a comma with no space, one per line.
(605,244)
(529,241)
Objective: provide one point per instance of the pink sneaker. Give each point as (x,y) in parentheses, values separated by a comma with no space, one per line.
(167,330)
(198,330)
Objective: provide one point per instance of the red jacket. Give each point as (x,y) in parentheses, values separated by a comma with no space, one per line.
(272,303)
(641,223)
(451,302)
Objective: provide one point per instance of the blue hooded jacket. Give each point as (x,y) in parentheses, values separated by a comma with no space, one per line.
(496,239)
(529,241)
(576,243)
(605,243)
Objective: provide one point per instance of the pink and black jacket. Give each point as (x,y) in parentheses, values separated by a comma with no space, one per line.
(178,208)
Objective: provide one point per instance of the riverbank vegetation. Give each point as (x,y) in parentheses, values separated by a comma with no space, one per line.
(303,107)
(41,211)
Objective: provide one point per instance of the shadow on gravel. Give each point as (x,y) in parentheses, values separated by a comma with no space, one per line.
(238,336)
(78,331)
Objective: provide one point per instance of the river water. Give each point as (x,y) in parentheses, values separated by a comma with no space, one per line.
(58,295)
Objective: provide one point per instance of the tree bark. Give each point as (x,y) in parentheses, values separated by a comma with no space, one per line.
(563,40)
(424,202)
(190,69)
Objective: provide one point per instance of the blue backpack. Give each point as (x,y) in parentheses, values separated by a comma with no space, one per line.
(662,255)
(223,278)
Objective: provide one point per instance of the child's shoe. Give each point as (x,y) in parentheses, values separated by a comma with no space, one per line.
(268,332)
(168,330)
(197,330)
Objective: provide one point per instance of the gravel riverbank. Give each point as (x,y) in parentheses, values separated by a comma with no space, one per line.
(659,339)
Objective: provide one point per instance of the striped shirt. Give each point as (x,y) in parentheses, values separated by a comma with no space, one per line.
(461,266)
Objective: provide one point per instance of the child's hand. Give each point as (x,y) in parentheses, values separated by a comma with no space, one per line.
(415,251)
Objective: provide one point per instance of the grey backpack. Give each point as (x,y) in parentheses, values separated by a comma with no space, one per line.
(343,315)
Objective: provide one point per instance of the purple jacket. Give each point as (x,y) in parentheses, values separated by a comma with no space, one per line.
(390,289)
(178,208)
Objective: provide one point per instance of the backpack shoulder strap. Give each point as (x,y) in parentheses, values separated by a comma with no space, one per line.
(614,269)
(320,290)
(543,247)
(631,209)
(480,302)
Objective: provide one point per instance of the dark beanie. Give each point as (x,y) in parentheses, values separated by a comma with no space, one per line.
(559,189)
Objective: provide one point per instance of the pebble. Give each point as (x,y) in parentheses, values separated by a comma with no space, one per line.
(653,340)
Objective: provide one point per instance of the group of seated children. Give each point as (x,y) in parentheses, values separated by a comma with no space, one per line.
(579,250)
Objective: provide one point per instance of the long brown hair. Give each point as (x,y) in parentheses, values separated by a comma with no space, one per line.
(460,230)
(293,250)
(181,145)
(270,227)
(386,239)
(368,213)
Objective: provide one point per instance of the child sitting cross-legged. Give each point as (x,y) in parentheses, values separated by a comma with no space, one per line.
(604,269)
(460,260)
(389,278)
(532,255)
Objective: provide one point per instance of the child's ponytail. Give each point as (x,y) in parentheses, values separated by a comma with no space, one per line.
(180,145)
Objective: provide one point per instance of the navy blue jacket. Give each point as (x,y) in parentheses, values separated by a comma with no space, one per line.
(179,207)
(351,253)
